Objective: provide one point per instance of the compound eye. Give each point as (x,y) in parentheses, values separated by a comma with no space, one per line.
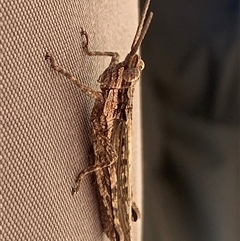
(131,74)
(141,64)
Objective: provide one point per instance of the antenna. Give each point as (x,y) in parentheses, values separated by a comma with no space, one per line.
(142,28)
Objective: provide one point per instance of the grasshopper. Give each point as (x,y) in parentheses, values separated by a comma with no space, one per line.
(111,121)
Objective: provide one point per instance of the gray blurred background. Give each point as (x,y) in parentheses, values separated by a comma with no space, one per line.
(190,99)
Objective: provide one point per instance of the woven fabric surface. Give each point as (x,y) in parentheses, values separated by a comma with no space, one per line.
(45,128)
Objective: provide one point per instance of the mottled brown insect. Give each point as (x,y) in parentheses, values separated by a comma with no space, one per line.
(111,133)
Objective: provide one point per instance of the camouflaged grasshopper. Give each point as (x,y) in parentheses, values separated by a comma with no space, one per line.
(111,119)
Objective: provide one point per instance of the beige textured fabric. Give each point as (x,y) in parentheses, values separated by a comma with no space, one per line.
(45,129)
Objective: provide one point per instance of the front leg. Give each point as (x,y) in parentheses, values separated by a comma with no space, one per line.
(114,55)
